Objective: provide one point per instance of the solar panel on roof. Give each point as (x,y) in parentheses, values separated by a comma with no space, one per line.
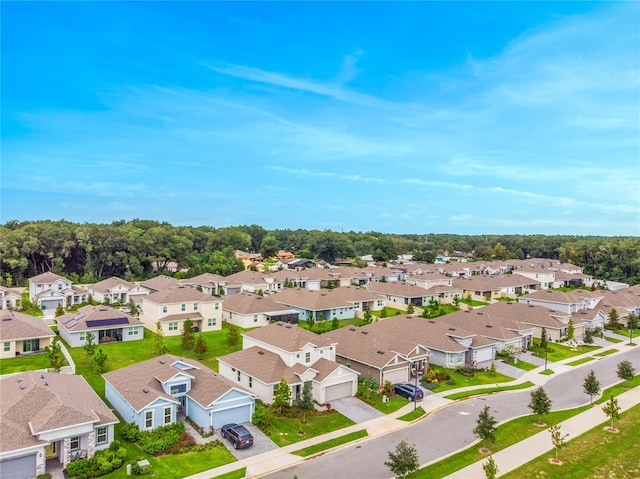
(72,323)
(96,323)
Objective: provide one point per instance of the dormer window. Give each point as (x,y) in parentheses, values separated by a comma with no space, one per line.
(195,306)
(183,307)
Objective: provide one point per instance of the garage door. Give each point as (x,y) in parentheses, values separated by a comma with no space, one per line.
(18,468)
(49,305)
(484,354)
(338,391)
(238,415)
(396,375)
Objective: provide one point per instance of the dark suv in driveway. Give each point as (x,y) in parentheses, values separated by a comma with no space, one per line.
(409,391)
(238,435)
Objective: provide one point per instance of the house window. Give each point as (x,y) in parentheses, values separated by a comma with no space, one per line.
(167,415)
(211,321)
(183,307)
(322,351)
(177,389)
(255,318)
(29,345)
(101,435)
(348,362)
(132,331)
(238,375)
(250,382)
(217,306)
(307,357)
(148,419)
(6,347)
(195,306)
(74,443)
(165,308)
(173,326)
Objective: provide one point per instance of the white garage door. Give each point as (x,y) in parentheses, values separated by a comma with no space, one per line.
(484,354)
(51,304)
(237,415)
(396,376)
(18,468)
(338,391)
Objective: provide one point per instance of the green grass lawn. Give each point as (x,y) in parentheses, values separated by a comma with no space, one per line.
(291,430)
(492,390)
(323,446)
(237,474)
(388,312)
(392,404)
(606,353)
(547,372)
(581,361)
(460,381)
(522,365)
(618,389)
(25,362)
(558,352)
(613,340)
(595,454)
(415,414)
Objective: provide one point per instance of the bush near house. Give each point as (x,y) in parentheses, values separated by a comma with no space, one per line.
(161,440)
(103,462)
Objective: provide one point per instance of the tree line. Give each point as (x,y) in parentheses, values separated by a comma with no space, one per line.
(139,249)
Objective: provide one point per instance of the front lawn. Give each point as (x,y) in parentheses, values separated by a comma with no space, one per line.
(558,352)
(289,430)
(459,380)
(387,406)
(323,446)
(25,362)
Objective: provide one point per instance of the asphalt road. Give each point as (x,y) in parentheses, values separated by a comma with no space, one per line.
(450,428)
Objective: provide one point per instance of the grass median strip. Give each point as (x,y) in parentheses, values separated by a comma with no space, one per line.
(580,361)
(607,352)
(237,474)
(495,389)
(323,446)
(415,414)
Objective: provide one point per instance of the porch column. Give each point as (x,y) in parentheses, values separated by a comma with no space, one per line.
(66,452)
(91,444)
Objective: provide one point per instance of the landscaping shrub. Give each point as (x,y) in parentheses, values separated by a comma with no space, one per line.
(156,441)
(130,431)
(103,462)
(46,475)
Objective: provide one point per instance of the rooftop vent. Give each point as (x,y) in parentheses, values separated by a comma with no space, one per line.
(488,326)
(19,380)
(22,386)
(432,321)
(288,326)
(480,313)
(42,376)
(261,353)
(452,329)
(145,390)
(7,318)
(380,351)
(467,311)
(531,305)
(364,332)
(162,361)
(45,383)
(352,329)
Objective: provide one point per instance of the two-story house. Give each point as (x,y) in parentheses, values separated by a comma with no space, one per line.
(286,351)
(117,290)
(172,307)
(9,298)
(152,393)
(49,290)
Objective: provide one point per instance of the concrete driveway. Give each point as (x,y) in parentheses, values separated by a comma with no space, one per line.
(261,443)
(355,409)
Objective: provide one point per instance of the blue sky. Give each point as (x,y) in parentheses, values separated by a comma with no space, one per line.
(404,117)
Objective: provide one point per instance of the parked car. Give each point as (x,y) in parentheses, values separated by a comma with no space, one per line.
(239,435)
(409,391)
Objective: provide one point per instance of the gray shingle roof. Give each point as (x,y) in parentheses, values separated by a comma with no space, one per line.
(14,325)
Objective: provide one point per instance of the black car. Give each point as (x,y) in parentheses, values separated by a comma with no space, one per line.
(238,435)
(409,391)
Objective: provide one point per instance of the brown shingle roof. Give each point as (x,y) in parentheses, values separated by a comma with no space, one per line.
(15,325)
(110,283)
(79,321)
(342,297)
(178,294)
(288,337)
(249,303)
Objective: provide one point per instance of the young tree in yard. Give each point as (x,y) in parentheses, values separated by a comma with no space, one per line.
(187,335)
(485,429)
(614,319)
(158,341)
(632,325)
(403,460)
(456,302)
(201,346)
(571,330)
(490,468)
(558,439)
(89,344)
(100,359)
(540,403)
(306,400)
(54,355)
(335,323)
(612,410)
(368,316)
(511,352)
(59,311)
(543,340)
(233,335)
(282,395)
(626,371)
(591,385)
(410,308)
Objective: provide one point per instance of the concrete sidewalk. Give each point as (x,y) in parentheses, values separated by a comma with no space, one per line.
(507,459)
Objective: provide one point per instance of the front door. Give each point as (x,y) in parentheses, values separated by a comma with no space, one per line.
(51,450)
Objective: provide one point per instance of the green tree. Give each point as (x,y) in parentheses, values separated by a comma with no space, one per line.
(612,410)
(188,335)
(632,325)
(492,369)
(100,360)
(557,438)
(53,353)
(368,317)
(158,340)
(201,346)
(335,323)
(456,301)
(282,395)
(306,400)
(490,468)
(543,339)
(485,429)
(571,330)
(403,460)
(59,311)
(233,336)
(625,370)
(614,319)
(269,246)
(540,403)
(591,385)
(410,308)
(89,344)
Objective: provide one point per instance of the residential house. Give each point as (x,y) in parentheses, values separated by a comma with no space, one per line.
(489,288)
(248,310)
(49,290)
(117,290)
(399,294)
(251,281)
(104,322)
(286,351)
(22,334)
(208,283)
(49,418)
(567,302)
(343,303)
(172,307)
(152,393)
(10,298)
(159,283)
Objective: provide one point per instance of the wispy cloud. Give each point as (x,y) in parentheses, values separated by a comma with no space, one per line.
(304,173)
